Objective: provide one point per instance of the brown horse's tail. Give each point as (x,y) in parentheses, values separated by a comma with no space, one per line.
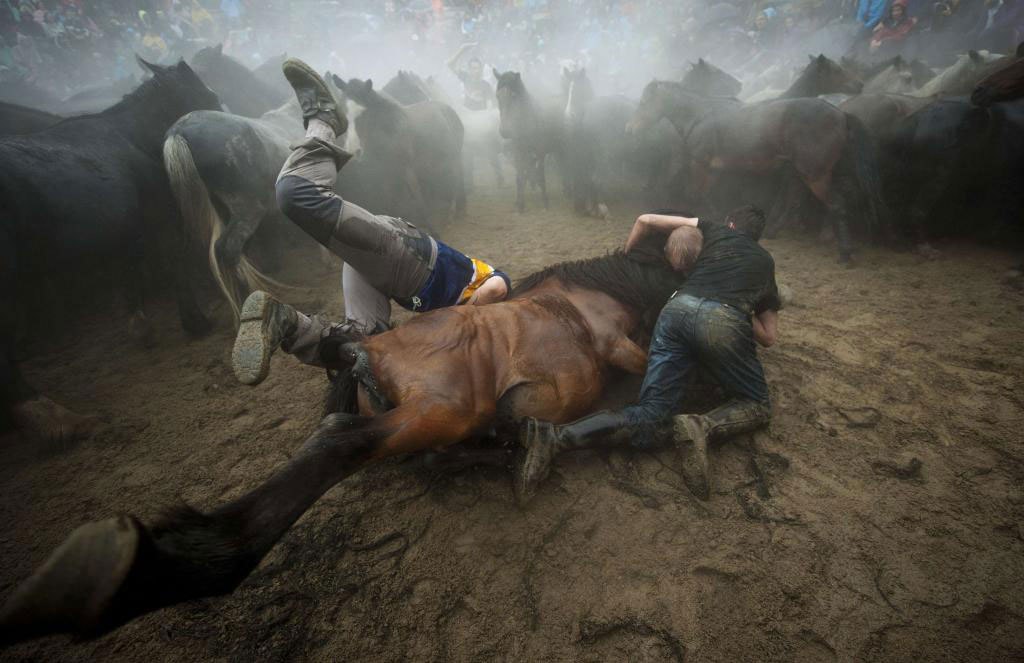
(863,154)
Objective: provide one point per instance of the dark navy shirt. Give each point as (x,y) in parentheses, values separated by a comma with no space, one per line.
(454,278)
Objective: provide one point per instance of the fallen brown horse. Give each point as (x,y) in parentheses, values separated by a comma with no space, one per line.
(830,152)
(442,378)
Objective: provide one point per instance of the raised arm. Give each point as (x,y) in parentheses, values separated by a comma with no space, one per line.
(664,223)
(453,60)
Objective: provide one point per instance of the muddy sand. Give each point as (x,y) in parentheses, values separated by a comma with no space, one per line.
(879,518)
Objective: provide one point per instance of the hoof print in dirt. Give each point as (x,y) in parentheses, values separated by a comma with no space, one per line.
(762,510)
(632,634)
(909,472)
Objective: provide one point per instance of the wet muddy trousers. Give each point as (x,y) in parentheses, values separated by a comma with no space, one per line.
(384,257)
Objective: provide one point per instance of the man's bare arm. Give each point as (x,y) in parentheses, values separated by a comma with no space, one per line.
(766,328)
(664,223)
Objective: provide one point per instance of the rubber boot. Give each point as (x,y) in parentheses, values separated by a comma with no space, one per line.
(540,441)
(694,431)
(264,324)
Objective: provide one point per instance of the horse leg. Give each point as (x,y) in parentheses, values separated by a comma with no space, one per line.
(522,171)
(542,180)
(20,404)
(121,569)
(494,156)
(135,278)
(835,201)
(244,218)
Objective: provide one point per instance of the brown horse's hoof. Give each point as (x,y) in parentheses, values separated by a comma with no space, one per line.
(533,459)
(73,590)
(53,423)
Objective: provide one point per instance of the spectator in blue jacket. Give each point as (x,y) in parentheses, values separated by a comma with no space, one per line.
(870,12)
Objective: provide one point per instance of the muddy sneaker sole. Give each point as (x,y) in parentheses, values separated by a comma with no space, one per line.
(250,358)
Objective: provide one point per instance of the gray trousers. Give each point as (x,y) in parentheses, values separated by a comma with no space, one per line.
(384,256)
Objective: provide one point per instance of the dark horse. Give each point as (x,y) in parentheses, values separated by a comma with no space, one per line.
(443,377)
(707,80)
(830,152)
(600,151)
(85,192)
(535,129)
(15,119)
(951,161)
(222,168)
(241,91)
(417,149)
(1005,84)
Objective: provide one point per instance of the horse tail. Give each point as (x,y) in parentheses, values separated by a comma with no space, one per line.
(867,172)
(204,225)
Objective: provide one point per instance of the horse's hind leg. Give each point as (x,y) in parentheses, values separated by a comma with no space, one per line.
(122,568)
(522,171)
(542,180)
(824,189)
(243,219)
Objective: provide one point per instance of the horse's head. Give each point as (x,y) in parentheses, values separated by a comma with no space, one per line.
(406,88)
(706,79)
(578,93)
(180,90)
(654,105)
(1002,85)
(512,102)
(829,77)
(359,91)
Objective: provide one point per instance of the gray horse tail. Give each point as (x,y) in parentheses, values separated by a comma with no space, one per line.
(867,171)
(204,225)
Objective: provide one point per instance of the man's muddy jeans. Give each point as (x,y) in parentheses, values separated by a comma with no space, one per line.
(693,331)
(384,257)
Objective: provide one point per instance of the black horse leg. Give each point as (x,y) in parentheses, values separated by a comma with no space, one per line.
(119,568)
(494,155)
(246,215)
(523,166)
(136,278)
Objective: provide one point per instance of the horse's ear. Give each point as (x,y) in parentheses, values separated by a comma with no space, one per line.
(976,56)
(148,66)
(219,49)
(821,57)
(183,67)
(810,57)
(518,76)
(497,75)
(369,84)
(700,62)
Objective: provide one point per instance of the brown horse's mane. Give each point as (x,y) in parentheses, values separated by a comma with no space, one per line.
(641,282)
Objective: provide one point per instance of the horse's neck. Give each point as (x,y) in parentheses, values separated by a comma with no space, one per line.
(801,87)
(286,117)
(687,112)
(142,120)
(604,314)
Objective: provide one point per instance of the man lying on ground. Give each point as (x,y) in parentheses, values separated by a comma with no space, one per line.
(385,258)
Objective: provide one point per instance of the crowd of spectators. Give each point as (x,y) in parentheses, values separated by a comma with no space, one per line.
(63,45)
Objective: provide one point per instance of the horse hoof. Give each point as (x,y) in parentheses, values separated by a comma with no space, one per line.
(53,423)
(74,589)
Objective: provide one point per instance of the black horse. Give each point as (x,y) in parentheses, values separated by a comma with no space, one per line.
(416,150)
(242,92)
(15,119)
(535,129)
(951,161)
(87,192)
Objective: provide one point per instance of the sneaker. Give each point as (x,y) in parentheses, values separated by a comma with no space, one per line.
(264,323)
(314,96)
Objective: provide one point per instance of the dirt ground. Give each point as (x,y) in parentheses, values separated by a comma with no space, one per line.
(880,518)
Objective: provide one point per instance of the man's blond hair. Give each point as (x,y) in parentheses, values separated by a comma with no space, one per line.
(683,247)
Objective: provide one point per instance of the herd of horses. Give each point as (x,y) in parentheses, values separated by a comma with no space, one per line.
(167,167)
